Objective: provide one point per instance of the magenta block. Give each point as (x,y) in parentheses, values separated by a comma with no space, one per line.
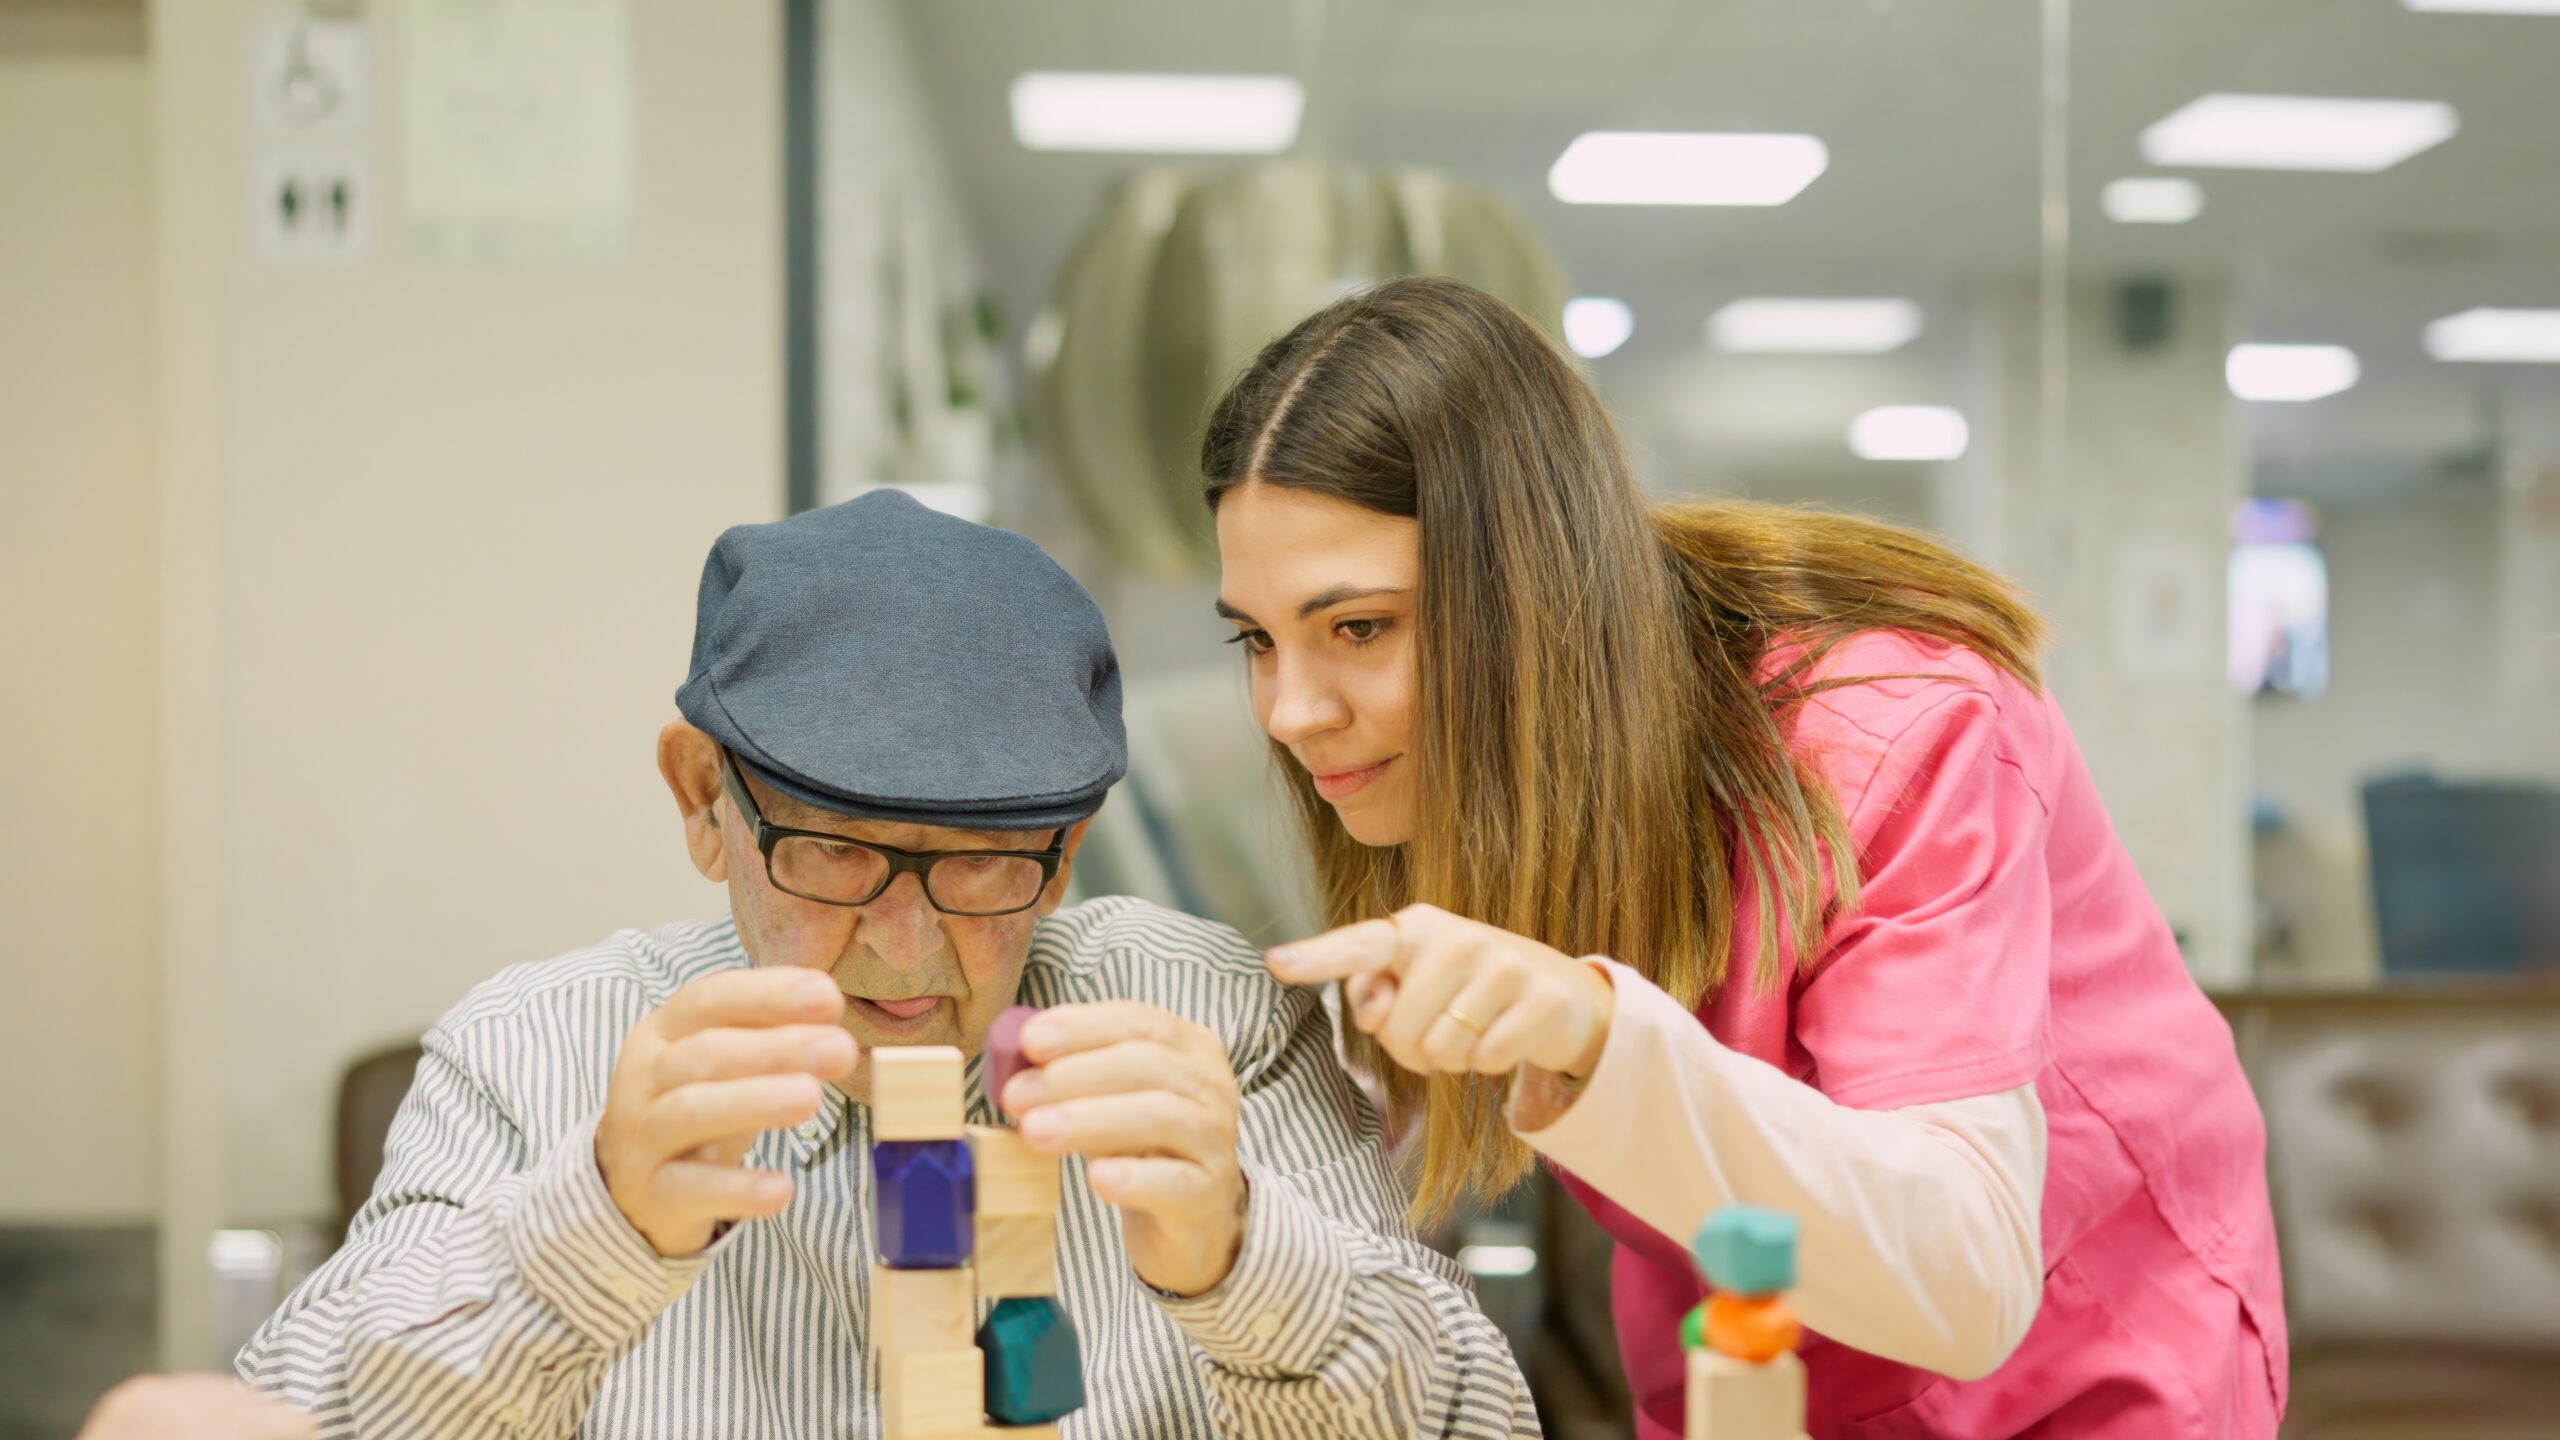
(1004,1053)
(924,1203)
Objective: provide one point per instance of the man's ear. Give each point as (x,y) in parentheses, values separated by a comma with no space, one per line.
(1057,891)
(689,761)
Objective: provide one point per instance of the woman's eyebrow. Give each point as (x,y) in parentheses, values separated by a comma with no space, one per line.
(1321,600)
(1327,599)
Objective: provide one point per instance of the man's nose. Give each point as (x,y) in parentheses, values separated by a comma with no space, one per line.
(901,927)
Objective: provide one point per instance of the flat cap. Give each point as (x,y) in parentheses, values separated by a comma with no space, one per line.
(882,660)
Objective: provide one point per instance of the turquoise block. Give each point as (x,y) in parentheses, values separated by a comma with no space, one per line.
(1747,1249)
(1035,1371)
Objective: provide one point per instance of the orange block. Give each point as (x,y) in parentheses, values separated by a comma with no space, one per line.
(1757,1328)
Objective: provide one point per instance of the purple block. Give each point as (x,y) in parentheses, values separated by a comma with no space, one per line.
(924,1203)
(1004,1053)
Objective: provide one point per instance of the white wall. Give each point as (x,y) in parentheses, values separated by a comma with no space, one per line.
(432,535)
(2125,551)
(79,883)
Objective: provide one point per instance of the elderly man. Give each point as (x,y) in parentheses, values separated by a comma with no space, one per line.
(629,1194)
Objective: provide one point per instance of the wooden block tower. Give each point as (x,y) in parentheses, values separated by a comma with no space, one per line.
(1745,1382)
(963,1212)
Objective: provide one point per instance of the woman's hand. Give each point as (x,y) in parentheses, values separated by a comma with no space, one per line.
(1443,993)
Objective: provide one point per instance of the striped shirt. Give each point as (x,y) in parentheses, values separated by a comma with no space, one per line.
(490,1286)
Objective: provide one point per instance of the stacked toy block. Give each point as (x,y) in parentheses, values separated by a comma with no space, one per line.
(963,1212)
(1745,1382)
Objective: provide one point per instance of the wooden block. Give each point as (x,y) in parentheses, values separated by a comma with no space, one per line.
(916,1093)
(928,1310)
(1012,1178)
(1016,1255)
(929,1394)
(1733,1399)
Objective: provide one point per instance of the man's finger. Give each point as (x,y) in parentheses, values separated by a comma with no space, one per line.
(1152,1122)
(759,996)
(1127,1067)
(1151,1183)
(708,1194)
(1366,948)
(1070,1029)
(699,1115)
(730,1052)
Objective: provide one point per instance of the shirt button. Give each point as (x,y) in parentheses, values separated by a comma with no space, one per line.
(625,1289)
(1265,1326)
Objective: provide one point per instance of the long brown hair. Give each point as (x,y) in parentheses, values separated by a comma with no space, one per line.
(1599,759)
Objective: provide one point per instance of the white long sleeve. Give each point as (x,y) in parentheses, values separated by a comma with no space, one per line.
(1920,1226)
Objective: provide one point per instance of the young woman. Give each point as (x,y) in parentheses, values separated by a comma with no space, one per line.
(1855,937)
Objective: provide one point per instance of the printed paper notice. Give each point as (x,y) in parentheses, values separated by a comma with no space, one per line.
(516,126)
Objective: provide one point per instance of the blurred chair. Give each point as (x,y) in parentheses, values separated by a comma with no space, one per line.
(2466,876)
(369,1094)
(2414,1158)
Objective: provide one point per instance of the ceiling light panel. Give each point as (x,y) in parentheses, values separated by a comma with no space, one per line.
(2513,336)
(1813,327)
(1623,167)
(1909,432)
(2294,132)
(1137,114)
(2153,200)
(1595,325)
(2289,372)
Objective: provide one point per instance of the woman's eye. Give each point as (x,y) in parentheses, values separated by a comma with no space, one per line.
(1255,642)
(1361,632)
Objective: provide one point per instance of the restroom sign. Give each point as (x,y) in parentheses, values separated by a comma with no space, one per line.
(314,206)
(311,194)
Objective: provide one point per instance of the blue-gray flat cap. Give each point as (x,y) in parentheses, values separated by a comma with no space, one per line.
(882,660)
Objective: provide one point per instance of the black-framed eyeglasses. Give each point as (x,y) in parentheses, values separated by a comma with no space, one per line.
(839,870)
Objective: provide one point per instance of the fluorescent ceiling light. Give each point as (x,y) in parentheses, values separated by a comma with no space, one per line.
(1909,432)
(1157,114)
(2156,200)
(1594,326)
(2289,372)
(2293,132)
(1622,167)
(2531,336)
(1813,327)
(2487,7)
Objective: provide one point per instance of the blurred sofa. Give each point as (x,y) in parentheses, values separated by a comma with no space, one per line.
(2414,1159)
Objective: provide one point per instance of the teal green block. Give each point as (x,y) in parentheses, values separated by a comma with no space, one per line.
(1747,1249)
(1035,1370)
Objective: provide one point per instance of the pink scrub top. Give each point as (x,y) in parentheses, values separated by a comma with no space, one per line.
(2004,939)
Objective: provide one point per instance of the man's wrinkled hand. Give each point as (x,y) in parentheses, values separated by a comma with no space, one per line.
(192,1407)
(727,1058)
(1150,1100)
